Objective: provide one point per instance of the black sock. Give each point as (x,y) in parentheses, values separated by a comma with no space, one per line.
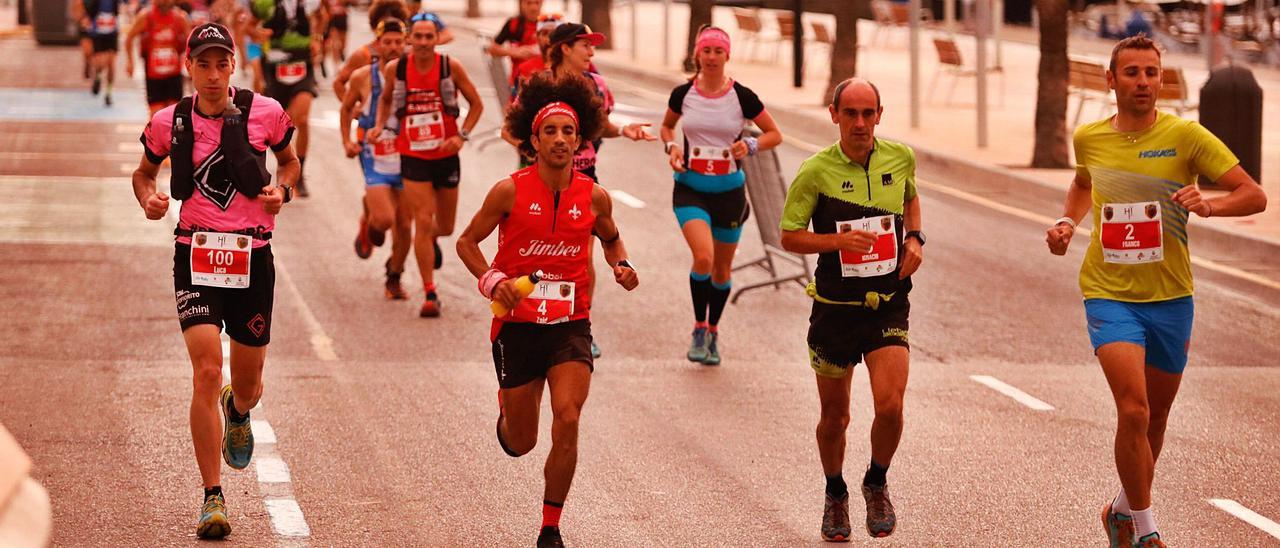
(875,475)
(719,296)
(700,289)
(836,487)
(215,490)
(232,414)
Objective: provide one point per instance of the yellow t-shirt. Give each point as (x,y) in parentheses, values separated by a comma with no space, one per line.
(1135,175)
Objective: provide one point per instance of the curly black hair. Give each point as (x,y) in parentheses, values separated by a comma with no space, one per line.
(544,88)
(382,9)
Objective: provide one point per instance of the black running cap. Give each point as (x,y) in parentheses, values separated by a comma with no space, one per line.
(209,35)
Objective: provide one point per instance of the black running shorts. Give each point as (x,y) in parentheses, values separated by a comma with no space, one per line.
(442,173)
(523,351)
(164,90)
(105,42)
(284,93)
(727,209)
(840,336)
(245,313)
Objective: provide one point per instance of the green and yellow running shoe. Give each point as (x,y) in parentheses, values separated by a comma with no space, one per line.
(213,518)
(237,437)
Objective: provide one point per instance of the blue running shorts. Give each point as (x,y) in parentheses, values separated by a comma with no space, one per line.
(1163,328)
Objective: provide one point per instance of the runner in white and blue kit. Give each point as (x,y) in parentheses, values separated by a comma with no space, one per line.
(710,201)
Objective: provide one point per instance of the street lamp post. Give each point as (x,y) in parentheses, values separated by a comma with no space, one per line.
(797,43)
(983,17)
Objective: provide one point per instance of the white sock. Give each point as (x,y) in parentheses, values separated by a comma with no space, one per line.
(1145,522)
(1121,504)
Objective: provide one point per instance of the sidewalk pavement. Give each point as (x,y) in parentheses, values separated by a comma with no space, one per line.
(946,142)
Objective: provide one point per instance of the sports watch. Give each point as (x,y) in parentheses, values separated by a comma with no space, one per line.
(917,234)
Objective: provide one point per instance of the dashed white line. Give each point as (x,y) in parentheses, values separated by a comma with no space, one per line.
(321,344)
(1248,516)
(1018,395)
(262,432)
(626,198)
(286,518)
(271,470)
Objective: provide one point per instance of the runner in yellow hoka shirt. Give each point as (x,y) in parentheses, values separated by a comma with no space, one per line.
(1137,172)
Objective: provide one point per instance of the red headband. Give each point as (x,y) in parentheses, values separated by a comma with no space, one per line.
(552,109)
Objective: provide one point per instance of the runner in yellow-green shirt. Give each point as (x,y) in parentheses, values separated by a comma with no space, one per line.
(1137,171)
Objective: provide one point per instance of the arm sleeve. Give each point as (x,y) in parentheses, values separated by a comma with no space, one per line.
(1209,154)
(751,105)
(676,101)
(802,197)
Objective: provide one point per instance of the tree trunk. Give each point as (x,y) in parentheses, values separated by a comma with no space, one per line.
(699,14)
(844,54)
(1051,97)
(598,15)
(473,8)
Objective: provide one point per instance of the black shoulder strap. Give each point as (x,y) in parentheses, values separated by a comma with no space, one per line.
(181,147)
(402,68)
(445,70)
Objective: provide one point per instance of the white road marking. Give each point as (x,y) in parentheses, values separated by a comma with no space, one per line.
(1085,233)
(1248,516)
(286,518)
(271,470)
(626,198)
(327,119)
(262,432)
(129,147)
(1018,395)
(320,343)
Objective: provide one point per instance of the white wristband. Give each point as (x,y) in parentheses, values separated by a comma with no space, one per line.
(1070,222)
(489,281)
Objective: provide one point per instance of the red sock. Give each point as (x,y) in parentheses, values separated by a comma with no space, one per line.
(551,513)
(429,289)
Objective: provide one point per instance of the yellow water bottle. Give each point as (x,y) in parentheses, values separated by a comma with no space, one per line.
(524,286)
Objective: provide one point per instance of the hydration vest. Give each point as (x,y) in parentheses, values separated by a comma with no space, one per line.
(246,167)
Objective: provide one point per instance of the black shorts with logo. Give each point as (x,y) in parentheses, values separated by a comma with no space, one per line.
(105,42)
(284,93)
(442,173)
(246,313)
(523,351)
(164,90)
(840,336)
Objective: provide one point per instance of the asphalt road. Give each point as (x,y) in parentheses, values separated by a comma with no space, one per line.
(383,422)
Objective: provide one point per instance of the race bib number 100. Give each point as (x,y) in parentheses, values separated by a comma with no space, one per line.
(220,260)
(1132,233)
(883,257)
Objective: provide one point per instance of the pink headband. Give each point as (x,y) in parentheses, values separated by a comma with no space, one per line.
(713,37)
(552,109)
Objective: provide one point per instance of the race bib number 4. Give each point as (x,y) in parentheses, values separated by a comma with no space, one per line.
(1132,233)
(711,161)
(551,302)
(883,257)
(291,73)
(164,61)
(220,260)
(425,131)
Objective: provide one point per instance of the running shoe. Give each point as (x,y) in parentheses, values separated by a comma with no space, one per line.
(501,441)
(301,187)
(106,99)
(1119,528)
(439,255)
(430,306)
(377,237)
(698,348)
(394,290)
(97,85)
(364,247)
(1150,541)
(237,437)
(835,519)
(213,518)
(713,352)
(549,537)
(595,351)
(880,517)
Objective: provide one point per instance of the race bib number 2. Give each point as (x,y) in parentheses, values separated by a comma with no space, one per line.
(220,260)
(1132,233)
(883,257)
(551,302)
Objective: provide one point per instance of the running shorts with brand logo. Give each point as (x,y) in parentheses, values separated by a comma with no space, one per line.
(1162,327)
(245,313)
(523,351)
(442,173)
(840,336)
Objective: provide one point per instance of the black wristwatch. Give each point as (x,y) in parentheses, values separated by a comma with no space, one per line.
(288,193)
(626,263)
(917,234)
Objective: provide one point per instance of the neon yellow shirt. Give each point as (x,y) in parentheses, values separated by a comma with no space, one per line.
(1130,171)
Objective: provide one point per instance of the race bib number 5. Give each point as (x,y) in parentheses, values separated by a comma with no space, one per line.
(1132,233)
(711,161)
(551,302)
(426,131)
(220,260)
(883,257)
